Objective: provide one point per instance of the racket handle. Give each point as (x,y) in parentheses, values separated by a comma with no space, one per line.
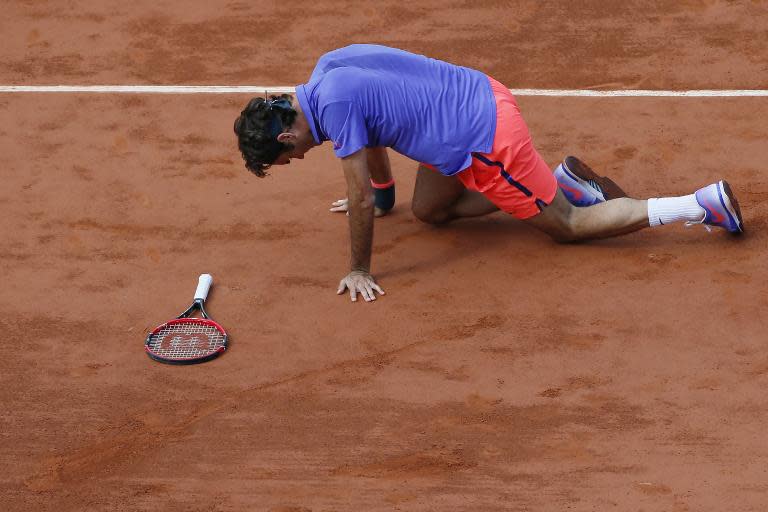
(203,285)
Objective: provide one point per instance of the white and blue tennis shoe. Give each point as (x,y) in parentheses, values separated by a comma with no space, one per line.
(582,186)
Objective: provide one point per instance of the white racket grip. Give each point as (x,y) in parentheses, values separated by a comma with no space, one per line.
(203,286)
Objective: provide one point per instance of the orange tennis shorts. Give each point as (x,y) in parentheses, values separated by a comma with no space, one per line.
(513,175)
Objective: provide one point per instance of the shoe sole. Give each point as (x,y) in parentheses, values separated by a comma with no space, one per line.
(578,168)
(732,205)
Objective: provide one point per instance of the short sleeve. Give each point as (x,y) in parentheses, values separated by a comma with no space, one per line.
(344,125)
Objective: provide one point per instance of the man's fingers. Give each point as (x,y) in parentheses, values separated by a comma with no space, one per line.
(340,205)
(363,285)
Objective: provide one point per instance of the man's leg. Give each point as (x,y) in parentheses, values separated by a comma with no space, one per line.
(714,205)
(438,198)
(567,223)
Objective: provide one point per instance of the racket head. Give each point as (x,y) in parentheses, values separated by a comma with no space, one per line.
(186,341)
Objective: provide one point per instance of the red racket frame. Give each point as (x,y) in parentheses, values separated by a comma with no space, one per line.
(188,360)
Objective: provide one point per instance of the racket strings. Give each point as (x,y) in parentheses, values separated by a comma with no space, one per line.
(187,340)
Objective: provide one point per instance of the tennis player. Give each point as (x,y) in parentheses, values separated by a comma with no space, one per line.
(473,147)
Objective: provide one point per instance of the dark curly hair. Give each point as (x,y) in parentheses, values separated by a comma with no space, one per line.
(257,129)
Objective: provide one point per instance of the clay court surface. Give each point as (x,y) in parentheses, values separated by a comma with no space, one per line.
(500,372)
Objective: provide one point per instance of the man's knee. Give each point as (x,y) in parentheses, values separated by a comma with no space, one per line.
(560,222)
(564,234)
(430,215)
(572,226)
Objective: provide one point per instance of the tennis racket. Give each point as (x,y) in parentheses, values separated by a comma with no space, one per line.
(187,340)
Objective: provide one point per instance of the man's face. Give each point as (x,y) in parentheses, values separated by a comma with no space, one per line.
(301,144)
(285,158)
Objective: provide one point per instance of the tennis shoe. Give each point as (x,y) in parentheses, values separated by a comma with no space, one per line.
(720,207)
(582,186)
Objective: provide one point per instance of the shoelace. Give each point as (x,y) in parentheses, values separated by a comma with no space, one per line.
(690,223)
(593,184)
(695,223)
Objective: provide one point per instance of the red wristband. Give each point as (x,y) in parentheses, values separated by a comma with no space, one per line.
(383,185)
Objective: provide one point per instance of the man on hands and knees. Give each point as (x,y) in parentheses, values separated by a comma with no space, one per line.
(475,152)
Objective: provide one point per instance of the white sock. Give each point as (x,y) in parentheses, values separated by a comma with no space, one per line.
(666,210)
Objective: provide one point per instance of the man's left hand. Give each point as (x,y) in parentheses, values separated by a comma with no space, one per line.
(359,281)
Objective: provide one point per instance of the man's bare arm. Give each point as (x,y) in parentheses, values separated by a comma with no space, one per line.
(378,164)
(380,172)
(360,194)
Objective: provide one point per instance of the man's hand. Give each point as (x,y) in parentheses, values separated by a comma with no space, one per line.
(342,206)
(360,281)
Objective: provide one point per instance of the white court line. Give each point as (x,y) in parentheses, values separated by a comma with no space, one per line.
(253,89)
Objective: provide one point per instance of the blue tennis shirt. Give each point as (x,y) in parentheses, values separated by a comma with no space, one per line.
(431,111)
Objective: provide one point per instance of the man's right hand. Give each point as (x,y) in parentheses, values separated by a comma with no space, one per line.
(342,206)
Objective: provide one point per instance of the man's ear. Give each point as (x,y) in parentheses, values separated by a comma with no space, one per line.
(286,137)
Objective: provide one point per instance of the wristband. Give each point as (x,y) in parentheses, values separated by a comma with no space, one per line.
(384,195)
